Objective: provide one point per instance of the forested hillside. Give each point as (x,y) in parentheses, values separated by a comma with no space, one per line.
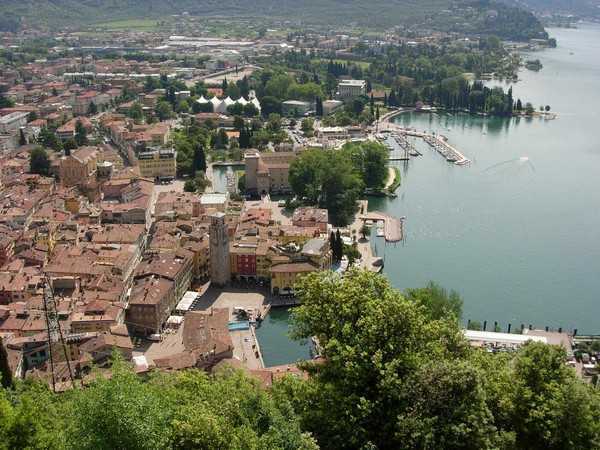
(578,7)
(471,16)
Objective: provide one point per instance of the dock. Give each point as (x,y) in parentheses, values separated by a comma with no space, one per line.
(437,142)
(407,148)
(442,146)
(393,229)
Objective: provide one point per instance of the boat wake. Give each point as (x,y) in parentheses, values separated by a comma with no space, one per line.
(523,160)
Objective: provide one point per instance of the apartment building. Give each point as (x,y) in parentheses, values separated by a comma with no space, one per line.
(158,163)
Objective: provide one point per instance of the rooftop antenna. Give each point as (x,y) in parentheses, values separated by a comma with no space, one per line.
(55,334)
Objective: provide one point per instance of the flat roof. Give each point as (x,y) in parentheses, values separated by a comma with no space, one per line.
(213,198)
(505,338)
(187,300)
(352,82)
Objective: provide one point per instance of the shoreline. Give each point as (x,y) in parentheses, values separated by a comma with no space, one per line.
(548,115)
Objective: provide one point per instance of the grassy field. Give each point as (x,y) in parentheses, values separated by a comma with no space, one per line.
(130,24)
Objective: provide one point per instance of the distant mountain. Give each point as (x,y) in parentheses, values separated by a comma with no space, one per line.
(469,16)
(584,8)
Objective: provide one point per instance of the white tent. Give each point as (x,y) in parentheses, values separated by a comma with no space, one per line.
(202,100)
(222,108)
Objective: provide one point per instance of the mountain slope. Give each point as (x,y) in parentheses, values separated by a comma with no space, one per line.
(470,16)
(586,8)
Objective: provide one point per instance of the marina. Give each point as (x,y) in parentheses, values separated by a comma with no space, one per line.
(513,234)
(436,141)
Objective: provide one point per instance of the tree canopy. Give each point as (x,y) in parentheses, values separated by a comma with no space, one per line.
(334,180)
(392,375)
(187,410)
(39,162)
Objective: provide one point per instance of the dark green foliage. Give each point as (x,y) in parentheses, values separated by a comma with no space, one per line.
(393,375)
(164,110)
(270,105)
(80,134)
(445,15)
(334,180)
(6,102)
(5,371)
(328,180)
(22,138)
(319,107)
(187,410)
(39,162)
(136,112)
(199,159)
(93,109)
(48,139)
(370,159)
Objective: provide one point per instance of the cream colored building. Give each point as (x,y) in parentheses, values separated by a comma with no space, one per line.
(79,167)
(268,172)
(158,163)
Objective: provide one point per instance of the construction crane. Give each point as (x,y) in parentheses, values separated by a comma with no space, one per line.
(55,334)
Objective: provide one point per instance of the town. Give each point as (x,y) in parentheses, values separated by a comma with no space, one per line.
(162,194)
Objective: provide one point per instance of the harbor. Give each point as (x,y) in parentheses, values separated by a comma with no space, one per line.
(438,142)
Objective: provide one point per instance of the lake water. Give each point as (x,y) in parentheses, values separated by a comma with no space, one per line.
(516,233)
(276,346)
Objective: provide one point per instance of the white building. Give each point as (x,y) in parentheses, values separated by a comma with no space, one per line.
(12,122)
(351,88)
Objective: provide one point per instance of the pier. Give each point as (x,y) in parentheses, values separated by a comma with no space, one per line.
(393,228)
(451,154)
(407,148)
(437,142)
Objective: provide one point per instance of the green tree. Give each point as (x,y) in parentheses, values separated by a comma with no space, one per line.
(274,123)
(5,370)
(529,109)
(448,408)
(365,231)
(39,162)
(123,412)
(438,303)
(319,107)
(199,159)
(552,408)
(370,159)
(328,180)
(80,134)
(183,106)
(22,138)
(69,145)
(48,139)
(164,110)
(307,126)
(92,109)
(238,123)
(136,112)
(270,105)
(373,341)
(338,246)
(6,102)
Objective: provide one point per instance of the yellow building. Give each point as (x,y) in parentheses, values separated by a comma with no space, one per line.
(284,276)
(79,168)
(298,235)
(158,164)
